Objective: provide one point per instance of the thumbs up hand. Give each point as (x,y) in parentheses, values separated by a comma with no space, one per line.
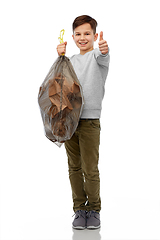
(103,46)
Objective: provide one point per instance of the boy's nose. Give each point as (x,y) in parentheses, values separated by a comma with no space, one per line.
(82,37)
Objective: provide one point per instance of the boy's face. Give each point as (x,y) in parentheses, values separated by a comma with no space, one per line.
(84,38)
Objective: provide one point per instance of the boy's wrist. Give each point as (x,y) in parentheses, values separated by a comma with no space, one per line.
(102,54)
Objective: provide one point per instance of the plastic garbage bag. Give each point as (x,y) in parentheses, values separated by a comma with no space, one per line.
(61,101)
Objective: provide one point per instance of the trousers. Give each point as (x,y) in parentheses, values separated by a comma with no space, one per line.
(83,158)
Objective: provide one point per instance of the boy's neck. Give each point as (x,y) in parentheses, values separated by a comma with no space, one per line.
(85,51)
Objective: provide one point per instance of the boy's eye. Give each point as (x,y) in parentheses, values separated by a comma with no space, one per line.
(78,34)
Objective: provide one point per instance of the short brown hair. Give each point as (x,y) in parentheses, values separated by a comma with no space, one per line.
(85,19)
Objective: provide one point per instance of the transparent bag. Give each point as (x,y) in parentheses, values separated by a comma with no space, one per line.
(60,100)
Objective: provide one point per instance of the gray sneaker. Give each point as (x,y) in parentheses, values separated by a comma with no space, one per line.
(79,220)
(93,220)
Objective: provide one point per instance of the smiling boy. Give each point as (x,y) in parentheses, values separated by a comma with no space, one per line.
(91,67)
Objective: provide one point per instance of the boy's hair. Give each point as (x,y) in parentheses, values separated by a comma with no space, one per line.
(85,19)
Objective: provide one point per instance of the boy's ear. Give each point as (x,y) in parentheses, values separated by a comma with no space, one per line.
(73,36)
(95,37)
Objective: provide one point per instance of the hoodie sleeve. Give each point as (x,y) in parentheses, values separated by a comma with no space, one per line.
(102,59)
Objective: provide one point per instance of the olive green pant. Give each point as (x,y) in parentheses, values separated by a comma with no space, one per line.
(83,156)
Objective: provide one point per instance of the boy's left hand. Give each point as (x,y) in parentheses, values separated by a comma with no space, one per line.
(103,46)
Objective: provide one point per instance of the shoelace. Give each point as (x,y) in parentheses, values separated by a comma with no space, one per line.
(91,213)
(79,214)
(88,214)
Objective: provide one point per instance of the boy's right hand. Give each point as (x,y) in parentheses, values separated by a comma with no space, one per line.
(61,48)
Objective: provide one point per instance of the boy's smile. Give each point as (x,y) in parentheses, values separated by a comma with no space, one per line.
(84,38)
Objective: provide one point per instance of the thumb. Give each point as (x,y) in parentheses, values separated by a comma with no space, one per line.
(101,36)
(65,43)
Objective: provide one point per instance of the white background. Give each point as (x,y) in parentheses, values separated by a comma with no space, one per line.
(36,201)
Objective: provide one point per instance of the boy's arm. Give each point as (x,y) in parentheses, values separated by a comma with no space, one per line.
(102,59)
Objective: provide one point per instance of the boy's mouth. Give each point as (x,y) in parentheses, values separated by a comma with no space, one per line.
(83,43)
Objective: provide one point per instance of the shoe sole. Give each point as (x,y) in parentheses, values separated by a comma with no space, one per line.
(79,227)
(93,227)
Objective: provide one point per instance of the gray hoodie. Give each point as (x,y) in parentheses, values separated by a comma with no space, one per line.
(92,70)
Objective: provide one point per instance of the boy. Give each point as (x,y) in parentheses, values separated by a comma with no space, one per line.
(91,67)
